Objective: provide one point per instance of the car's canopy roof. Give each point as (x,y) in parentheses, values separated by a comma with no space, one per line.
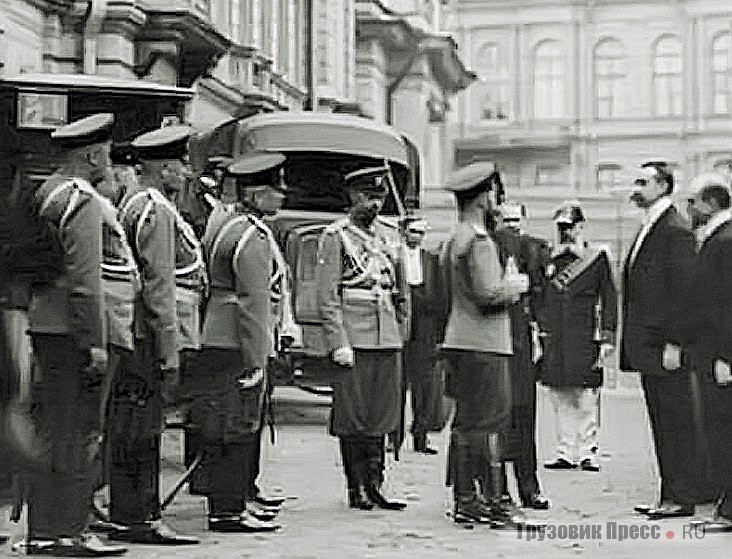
(317,132)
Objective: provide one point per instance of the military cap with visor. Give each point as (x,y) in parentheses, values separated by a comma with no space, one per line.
(87,131)
(169,142)
(471,180)
(569,214)
(123,154)
(258,169)
(367,179)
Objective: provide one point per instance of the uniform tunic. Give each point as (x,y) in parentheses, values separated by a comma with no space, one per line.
(227,379)
(362,294)
(167,253)
(66,319)
(567,316)
(478,334)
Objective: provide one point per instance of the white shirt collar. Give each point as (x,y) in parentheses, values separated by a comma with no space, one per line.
(657,209)
(714,223)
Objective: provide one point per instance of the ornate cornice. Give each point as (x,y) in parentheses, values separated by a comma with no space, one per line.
(200,44)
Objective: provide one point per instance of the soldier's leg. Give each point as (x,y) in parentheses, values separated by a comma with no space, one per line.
(226,466)
(137,413)
(69,421)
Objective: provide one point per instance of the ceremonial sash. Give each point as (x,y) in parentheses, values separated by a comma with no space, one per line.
(571,272)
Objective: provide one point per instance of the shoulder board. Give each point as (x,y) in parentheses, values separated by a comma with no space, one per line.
(480,232)
(464,237)
(337,225)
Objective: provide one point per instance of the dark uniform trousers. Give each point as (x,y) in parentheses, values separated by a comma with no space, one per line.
(681,457)
(134,431)
(366,407)
(67,420)
(226,425)
(480,384)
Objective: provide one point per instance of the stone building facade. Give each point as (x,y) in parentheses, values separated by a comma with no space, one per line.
(384,59)
(572,94)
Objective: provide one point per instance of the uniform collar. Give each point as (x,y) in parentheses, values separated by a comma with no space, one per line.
(714,223)
(657,209)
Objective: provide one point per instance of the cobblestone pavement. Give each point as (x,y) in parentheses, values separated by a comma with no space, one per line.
(304,465)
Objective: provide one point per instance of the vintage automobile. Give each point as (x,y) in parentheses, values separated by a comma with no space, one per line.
(320,149)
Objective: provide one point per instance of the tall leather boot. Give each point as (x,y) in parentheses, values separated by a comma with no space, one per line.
(355,474)
(502,516)
(375,455)
(467,508)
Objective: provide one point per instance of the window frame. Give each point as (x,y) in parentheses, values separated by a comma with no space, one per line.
(552,80)
(613,78)
(725,73)
(673,78)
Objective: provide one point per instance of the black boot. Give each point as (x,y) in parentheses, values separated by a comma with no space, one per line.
(503,516)
(467,509)
(421,444)
(375,455)
(355,472)
(357,500)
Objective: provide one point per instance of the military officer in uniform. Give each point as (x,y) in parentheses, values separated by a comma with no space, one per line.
(227,381)
(529,255)
(362,296)
(67,326)
(166,321)
(579,280)
(477,346)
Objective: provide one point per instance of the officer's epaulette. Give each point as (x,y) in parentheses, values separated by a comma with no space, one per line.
(337,225)
(466,235)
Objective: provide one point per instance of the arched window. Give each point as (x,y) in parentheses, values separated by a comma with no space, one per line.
(548,80)
(609,78)
(493,90)
(667,84)
(720,74)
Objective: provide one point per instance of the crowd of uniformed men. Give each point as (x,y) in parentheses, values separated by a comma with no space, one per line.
(138,309)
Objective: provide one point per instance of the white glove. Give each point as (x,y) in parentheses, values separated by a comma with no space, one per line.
(605,351)
(537,350)
(671,357)
(343,356)
(722,372)
(98,359)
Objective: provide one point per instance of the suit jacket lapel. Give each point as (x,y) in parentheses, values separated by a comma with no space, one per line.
(645,241)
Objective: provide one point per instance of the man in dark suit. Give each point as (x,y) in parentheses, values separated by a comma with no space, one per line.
(710,333)
(656,282)
(530,255)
